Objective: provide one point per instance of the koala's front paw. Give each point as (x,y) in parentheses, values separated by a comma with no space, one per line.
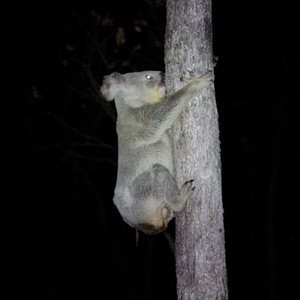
(203,81)
(207,77)
(187,76)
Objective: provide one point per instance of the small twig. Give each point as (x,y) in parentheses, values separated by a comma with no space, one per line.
(110,161)
(78,145)
(56,117)
(170,241)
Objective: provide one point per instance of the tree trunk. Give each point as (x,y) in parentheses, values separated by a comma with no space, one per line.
(200,253)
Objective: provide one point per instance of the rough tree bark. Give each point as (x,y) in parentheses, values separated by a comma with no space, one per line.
(200,253)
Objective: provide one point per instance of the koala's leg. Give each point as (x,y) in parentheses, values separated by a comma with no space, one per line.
(166,189)
(164,185)
(142,186)
(160,117)
(158,185)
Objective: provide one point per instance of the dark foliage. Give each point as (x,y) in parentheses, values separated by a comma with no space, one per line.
(62,235)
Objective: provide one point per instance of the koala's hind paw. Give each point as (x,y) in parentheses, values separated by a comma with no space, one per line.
(187,190)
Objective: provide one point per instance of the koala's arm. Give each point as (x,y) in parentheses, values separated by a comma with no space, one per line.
(160,117)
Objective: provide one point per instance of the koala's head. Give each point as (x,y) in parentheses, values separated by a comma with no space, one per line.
(135,89)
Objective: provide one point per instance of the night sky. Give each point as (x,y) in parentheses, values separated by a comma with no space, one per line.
(61,234)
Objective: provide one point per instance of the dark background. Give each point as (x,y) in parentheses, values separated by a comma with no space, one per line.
(62,235)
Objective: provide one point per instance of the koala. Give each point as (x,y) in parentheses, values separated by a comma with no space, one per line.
(146,193)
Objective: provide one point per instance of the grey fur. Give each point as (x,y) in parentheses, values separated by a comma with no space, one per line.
(146,193)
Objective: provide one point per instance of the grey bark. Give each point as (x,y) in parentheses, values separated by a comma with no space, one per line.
(200,251)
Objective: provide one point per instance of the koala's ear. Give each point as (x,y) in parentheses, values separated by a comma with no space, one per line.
(111,85)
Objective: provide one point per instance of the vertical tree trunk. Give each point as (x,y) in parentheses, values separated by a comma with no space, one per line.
(200,253)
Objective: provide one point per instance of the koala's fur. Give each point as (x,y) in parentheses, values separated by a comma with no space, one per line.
(146,193)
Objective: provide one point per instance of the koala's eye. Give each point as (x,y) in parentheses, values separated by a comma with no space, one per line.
(148,77)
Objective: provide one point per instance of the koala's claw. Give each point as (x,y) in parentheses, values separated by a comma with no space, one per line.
(187,190)
(200,81)
(209,75)
(187,76)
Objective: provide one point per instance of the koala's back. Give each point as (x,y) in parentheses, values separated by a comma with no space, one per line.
(136,158)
